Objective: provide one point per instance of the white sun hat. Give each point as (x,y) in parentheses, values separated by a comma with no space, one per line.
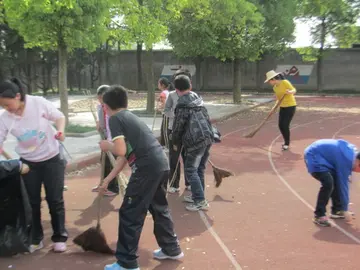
(271,74)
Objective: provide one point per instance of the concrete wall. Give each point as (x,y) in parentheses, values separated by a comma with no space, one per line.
(341,70)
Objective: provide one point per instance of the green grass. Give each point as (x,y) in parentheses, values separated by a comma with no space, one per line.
(79,129)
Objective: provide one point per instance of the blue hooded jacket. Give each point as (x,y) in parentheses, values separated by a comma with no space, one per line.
(335,156)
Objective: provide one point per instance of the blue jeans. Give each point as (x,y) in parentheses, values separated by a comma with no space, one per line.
(195,164)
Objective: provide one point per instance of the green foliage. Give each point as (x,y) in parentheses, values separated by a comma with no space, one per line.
(144,21)
(327,16)
(308,54)
(346,36)
(46,24)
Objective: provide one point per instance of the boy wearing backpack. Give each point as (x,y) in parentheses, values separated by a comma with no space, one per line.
(192,129)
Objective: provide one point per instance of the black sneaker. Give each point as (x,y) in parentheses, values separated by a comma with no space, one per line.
(322,221)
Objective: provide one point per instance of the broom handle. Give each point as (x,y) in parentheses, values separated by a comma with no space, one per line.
(212,164)
(119,178)
(101,181)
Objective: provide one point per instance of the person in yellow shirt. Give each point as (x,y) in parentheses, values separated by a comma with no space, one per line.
(283,87)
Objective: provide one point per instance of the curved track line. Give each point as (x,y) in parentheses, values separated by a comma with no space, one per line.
(295,193)
(343,128)
(208,225)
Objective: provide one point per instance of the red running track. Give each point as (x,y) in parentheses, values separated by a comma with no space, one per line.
(259,219)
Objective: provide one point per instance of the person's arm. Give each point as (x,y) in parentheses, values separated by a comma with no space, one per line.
(343,186)
(3,134)
(180,120)
(119,166)
(118,145)
(12,167)
(54,115)
(168,107)
(290,89)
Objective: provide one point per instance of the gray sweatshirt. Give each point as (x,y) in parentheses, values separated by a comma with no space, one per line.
(170,106)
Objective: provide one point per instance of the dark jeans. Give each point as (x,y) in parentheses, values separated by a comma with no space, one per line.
(286,114)
(51,174)
(173,160)
(144,192)
(328,189)
(195,165)
(113,185)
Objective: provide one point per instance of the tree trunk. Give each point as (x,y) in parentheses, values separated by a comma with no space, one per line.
(150,82)
(237,81)
(139,66)
(320,56)
(62,80)
(107,64)
(198,73)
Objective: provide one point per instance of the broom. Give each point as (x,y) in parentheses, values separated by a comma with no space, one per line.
(253,132)
(93,239)
(219,174)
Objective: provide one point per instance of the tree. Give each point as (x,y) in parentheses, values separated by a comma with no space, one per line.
(326,17)
(239,24)
(346,36)
(60,25)
(192,35)
(145,24)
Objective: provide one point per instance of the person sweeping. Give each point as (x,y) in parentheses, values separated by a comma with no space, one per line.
(133,140)
(103,125)
(288,105)
(29,119)
(332,162)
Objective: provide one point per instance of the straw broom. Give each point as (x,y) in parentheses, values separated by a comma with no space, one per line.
(253,132)
(93,239)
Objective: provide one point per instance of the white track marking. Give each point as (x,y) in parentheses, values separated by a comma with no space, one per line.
(343,128)
(282,179)
(219,241)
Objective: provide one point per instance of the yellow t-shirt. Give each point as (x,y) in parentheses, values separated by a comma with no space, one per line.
(280,90)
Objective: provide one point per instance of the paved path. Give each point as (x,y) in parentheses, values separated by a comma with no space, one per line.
(80,148)
(259,219)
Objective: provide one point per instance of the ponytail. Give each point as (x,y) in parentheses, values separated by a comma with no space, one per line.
(20,87)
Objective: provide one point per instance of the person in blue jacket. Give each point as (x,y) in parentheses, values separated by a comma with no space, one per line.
(332,161)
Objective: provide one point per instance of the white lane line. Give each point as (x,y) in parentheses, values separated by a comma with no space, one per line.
(219,241)
(296,194)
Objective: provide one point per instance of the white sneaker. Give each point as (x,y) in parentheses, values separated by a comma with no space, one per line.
(160,255)
(173,190)
(59,247)
(34,248)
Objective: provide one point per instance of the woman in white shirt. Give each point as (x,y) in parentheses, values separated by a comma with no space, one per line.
(29,119)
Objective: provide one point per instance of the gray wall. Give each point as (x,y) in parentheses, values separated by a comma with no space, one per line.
(341,71)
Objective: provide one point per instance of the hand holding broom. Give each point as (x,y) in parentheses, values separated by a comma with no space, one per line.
(253,132)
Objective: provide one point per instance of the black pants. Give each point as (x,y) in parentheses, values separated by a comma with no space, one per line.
(113,185)
(286,114)
(144,192)
(173,160)
(164,139)
(51,174)
(328,190)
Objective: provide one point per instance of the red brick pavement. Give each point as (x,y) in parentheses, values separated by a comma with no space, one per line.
(256,217)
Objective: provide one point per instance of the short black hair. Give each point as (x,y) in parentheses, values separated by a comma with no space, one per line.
(182,71)
(358,155)
(116,97)
(182,83)
(10,88)
(101,90)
